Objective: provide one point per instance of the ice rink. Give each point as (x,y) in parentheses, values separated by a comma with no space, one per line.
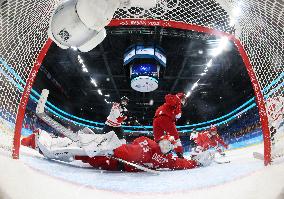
(35,177)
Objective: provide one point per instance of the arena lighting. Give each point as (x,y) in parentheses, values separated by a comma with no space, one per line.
(236,11)
(188,94)
(84,68)
(80,59)
(195,85)
(233,18)
(107,95)
(209,64)
(232,22)
(151,102)
(94,82)
(100,91)
(107,101)
(222,44)
(202,74)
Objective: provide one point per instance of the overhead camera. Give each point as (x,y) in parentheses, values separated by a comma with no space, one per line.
(81,23)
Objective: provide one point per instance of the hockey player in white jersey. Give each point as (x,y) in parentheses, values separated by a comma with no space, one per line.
(118,114)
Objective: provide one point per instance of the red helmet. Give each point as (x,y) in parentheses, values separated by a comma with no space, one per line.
(213,129)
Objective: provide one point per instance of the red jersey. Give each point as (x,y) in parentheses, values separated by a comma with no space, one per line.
(171,108)
(143,151)
(206,140)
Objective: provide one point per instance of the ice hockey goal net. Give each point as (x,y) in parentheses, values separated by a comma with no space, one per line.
(256,27)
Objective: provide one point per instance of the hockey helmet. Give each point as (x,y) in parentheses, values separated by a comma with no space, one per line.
(124,100)
(213,130)
(167,143)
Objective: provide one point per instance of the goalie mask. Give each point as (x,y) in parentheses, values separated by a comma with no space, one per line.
(167,144)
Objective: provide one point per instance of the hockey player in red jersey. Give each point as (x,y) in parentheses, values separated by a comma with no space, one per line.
(146,152)
(117,115)
(166,117)
(208,139)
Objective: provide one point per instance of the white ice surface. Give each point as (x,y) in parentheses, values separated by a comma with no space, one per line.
(245,177)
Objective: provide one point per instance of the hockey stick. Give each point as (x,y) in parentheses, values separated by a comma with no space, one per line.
(51,122)
(222,162)
(258,156)
(140,167)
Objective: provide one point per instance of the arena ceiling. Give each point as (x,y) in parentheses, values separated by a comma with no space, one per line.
(225,86)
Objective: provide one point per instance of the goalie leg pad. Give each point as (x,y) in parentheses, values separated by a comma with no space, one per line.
(50,142)
(64,154)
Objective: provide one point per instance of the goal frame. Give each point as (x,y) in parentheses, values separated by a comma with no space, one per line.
(165,24)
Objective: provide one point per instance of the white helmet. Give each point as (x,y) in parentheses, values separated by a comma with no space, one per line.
(167,144)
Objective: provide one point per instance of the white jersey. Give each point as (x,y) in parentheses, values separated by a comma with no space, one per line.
(116,117)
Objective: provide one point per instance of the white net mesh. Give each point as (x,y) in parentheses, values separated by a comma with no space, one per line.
(275,110)
(23,33)
(259,27)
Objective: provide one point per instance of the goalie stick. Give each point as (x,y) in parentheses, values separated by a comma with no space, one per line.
(140,167)
(42,115)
